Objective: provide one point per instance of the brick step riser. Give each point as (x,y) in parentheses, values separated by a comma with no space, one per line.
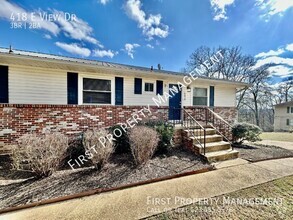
(5,152)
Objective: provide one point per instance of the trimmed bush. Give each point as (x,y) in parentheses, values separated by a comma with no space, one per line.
(245,132)
(41,154)
(165,131)
(100,153)
(143,143)
(121,143)
(74,150)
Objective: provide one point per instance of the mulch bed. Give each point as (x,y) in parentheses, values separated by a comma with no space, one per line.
(256,152)
(118,172)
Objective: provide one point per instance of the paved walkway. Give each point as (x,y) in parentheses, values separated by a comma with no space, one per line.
(282,144)
(143,201)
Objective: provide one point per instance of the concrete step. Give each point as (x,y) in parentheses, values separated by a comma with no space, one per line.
(221,155)
(5,152)
(209,139)
(213,147)
(198,132)
(209,131)
(198,127)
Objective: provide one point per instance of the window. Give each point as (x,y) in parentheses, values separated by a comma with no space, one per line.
(289,122)
(289,109)
(200,96)
(96,91)
(137,86)
(149,87)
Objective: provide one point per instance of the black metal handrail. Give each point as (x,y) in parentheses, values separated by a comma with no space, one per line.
(189,122)
(221,126)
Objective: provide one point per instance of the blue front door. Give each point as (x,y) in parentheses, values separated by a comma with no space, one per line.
(174,103)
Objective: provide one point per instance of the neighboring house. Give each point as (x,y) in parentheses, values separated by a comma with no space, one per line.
(283,120)
(43,92)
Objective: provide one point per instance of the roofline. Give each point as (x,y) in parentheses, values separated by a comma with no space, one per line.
(132,67)
(284,103)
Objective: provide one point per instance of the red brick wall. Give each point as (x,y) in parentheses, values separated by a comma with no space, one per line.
(227,113)
(16,120)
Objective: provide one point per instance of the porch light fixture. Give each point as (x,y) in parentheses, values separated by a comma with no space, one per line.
(188,89)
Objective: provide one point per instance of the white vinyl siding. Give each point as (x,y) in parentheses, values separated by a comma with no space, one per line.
(37,86)
(225,96)
(28,85)
(146,97)
(281,119)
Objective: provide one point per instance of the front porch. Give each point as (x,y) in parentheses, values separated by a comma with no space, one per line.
(205,133)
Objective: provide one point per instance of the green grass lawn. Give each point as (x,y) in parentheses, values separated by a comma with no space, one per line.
(279,192)
(277,136)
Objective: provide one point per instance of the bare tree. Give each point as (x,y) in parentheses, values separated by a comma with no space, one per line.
(234,65)
(255,102)
(257,95)
(285,91)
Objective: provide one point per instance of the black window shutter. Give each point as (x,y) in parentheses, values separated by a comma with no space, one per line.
(72,88)
(159,87)
(212,96)
(4,97)
(137,86)
(119,91)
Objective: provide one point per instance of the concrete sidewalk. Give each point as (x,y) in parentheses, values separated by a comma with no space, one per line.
(143,201)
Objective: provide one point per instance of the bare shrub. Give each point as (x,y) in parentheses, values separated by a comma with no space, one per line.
(99,153)
(143,143)
(41,154)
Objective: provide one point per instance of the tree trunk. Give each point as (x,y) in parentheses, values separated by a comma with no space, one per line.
(256,109)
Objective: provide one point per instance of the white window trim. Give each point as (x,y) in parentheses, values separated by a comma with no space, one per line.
(152,82)
(208,95)
(89,76)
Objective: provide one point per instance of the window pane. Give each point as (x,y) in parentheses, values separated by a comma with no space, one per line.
(200,101)
(96,84)
(291,109)
(149,87)
(200,92)
(97,97)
